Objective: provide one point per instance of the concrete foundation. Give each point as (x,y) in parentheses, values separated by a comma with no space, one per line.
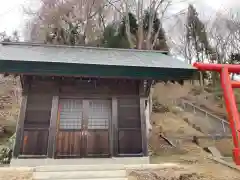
(82,161)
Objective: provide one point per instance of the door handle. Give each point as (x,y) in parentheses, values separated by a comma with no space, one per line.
(84,132)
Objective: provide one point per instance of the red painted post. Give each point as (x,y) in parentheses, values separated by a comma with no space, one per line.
(232,110)
(233,114)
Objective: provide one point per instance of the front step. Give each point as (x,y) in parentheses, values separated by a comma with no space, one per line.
(98,179)
(80,161)
(66,168)
(80,175)
(81,172)
(91,172)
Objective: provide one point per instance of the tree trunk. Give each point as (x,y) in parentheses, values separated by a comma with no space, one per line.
(140,28)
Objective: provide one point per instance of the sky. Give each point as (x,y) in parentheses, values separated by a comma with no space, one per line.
(12,14)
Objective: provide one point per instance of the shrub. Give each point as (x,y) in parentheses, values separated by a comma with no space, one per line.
(6,151)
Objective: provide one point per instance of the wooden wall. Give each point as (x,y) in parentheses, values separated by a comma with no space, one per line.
(37,128)
(129,126)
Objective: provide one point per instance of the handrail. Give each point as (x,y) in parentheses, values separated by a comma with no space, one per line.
(200,109)
(200,137)
(183,103)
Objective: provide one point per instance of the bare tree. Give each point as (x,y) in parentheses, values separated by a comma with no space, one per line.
(224,35)
(178,41)
(68,22)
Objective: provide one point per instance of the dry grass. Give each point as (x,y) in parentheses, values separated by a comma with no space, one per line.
(165,93)
(170,125)
(173,125)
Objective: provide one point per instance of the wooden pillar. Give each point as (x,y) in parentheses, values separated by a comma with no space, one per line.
(143,126)
(20,127)
(142,98)
(20,124)
(114,129)
(53,127)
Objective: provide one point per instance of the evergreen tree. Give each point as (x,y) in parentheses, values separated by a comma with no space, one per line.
(157,29)
(113,39)
(115,36)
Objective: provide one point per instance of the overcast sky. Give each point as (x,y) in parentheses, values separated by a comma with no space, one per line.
(12,15)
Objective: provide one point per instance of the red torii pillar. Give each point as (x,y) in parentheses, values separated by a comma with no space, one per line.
(230,102)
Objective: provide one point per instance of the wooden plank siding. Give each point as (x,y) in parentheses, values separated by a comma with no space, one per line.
(35,142)
(36,125)
(99,88)
(37,117)
(129,126)
(41,120)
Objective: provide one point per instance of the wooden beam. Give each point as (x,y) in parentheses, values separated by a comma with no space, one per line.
(53,127)
(20,127)
(114,130)
(143,126)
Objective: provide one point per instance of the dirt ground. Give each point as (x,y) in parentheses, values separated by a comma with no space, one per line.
(193,160)
(8,173)
(203,171)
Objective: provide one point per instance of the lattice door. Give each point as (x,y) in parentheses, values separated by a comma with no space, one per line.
(98,127)
(70,136)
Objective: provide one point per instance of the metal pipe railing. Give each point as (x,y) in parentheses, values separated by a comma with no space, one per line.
(184,104)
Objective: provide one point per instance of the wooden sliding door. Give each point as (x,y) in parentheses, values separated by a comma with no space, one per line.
(70,139)
(99,118)
(83,128)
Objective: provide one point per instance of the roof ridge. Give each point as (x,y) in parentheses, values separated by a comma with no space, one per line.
(83,47)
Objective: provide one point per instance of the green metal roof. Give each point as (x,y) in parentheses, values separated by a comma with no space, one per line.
(91,61)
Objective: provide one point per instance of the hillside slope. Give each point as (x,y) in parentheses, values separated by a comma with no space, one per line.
(167,95)
(171,123)
(9,106)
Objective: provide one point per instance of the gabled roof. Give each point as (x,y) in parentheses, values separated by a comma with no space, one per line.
(38,58)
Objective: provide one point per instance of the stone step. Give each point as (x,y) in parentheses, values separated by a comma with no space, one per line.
(79,168)
(96,179)
(79,175)
(78,161)
(97,167)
